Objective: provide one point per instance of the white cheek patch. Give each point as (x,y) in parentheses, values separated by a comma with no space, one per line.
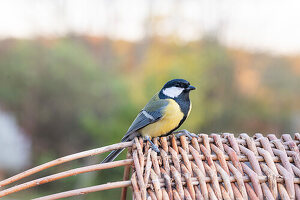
(173,91)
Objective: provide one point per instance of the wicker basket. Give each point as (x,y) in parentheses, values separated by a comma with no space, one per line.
(208,167)
(217,167)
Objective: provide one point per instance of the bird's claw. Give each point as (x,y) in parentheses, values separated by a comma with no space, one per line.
(186,133)
(153,146)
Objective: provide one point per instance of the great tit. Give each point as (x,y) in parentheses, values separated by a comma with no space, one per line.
(164,113)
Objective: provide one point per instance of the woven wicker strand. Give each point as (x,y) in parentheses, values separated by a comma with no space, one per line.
(217,167)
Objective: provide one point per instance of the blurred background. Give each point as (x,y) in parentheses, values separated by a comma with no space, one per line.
(74,74)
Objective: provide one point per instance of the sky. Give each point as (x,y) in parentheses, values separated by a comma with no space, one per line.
(264,25)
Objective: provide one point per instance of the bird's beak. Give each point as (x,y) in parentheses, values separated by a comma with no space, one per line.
(190,88)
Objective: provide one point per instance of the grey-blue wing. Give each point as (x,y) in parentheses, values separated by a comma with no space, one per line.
(150,114)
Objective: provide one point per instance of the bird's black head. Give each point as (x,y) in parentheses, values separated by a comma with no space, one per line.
(176,88)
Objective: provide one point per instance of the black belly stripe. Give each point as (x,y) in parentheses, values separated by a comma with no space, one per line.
(180,123)
(184,103)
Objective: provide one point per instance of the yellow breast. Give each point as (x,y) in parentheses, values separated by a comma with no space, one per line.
(170,120)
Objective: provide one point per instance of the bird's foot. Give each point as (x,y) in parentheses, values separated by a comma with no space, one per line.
(186,133)
(153,146)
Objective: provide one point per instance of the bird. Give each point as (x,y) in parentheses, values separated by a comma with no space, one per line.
(163,114)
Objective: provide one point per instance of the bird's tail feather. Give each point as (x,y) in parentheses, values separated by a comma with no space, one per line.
(112,156)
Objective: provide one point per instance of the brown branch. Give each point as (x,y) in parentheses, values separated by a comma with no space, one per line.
(61,175)
(64,159)
(126,176)
(86,190)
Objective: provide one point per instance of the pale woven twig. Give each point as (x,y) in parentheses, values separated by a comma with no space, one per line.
(86,190)
(61,175)
(63,160)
